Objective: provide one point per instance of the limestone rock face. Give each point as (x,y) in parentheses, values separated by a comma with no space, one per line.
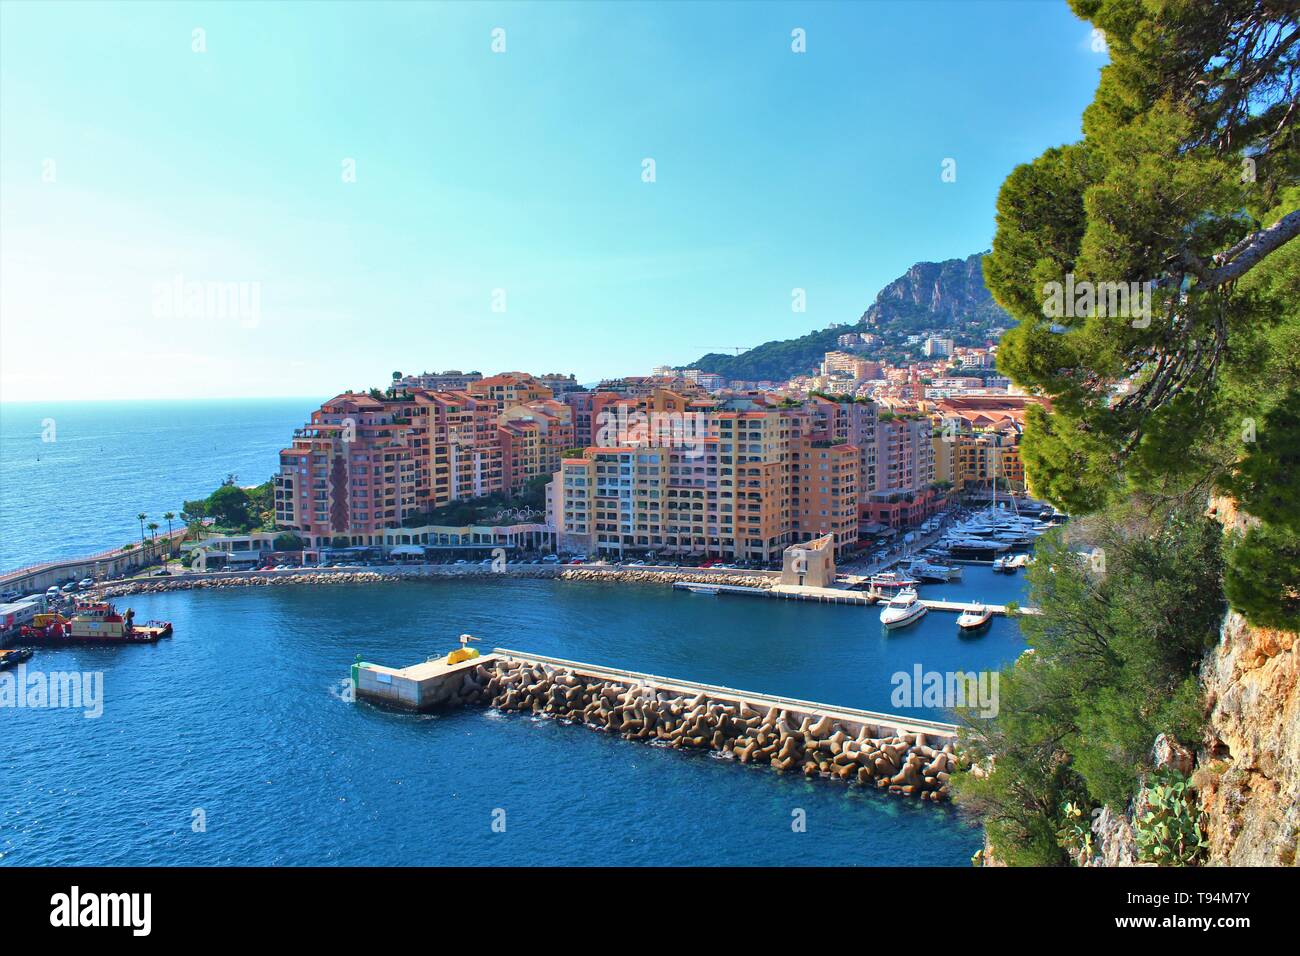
(1249,770)
(1116,845)
(1249,776)
(1169,753)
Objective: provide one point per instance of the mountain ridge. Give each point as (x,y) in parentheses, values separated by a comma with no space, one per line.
(947,296)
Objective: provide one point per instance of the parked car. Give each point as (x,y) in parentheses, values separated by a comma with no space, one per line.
(551,559)
(52,591)
(86,583)
(162,573)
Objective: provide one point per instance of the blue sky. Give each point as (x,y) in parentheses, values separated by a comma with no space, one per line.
(128,161)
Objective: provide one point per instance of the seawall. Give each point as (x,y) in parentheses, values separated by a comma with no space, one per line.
(901,755)
(234,579)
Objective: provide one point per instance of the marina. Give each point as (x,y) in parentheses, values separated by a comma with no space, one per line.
(573,796)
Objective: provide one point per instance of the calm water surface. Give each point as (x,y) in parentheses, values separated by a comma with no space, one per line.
(240,716)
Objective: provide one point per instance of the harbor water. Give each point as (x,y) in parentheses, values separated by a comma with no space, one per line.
(234,741)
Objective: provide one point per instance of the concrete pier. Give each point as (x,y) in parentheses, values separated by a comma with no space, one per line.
(907,756)
(803,592)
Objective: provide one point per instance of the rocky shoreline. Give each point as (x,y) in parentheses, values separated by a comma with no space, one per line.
(904,764)
(259,579)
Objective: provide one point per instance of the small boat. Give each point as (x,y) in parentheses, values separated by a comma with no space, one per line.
(15,657)
(1019,561)
(1000,565)
(694,588)
(903,608)
(974,618)
(889,579)
(925,571)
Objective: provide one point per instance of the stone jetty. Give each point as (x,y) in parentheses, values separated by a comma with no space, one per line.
(198,581)
(901,756)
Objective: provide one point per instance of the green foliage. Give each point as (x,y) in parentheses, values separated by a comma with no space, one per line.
(287,541)
(482,510)
(1168,826)
(1263,566)
(775,361)
(1075,834)
(1178,170)
(235,510)
(1113,665)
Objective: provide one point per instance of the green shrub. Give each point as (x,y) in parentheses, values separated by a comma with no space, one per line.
(1168,826)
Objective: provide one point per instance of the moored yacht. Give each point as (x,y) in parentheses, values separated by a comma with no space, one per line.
(974,618)
(925,570)
(903,608)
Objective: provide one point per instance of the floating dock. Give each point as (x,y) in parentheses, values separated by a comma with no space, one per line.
(904,755)
(799,592)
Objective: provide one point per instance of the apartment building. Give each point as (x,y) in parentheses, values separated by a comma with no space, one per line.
(354,468)
(824,491)
(974,459)
(365,463)
(533,439)
(451,380)
(762,476)
(509,389)
(902,494)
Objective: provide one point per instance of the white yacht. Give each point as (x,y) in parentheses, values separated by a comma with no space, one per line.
(902,609)
(925,570)
(974,618)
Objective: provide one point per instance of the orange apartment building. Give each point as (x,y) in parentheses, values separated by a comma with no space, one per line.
(759,479)
(363,464)
(509,389)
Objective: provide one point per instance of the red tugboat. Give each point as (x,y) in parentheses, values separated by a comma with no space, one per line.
(92,623)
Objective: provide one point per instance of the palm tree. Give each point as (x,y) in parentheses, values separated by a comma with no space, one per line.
(169,516)
(153,535)
(140,517)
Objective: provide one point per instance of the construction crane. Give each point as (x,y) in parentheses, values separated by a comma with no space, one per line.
(730,348)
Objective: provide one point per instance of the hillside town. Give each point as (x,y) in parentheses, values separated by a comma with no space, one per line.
(679,463)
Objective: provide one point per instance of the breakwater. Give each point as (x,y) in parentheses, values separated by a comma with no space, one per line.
(911,758)
(197,581)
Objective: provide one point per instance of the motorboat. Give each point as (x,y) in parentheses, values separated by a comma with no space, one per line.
(982,549)
(974,618)
(924,570)
(890,579)
(903,608)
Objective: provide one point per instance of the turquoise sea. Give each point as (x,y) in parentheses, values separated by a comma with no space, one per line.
(74,475)
(233,743)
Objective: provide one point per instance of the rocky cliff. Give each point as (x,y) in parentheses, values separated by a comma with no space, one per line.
(931,294)
(1248,772)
